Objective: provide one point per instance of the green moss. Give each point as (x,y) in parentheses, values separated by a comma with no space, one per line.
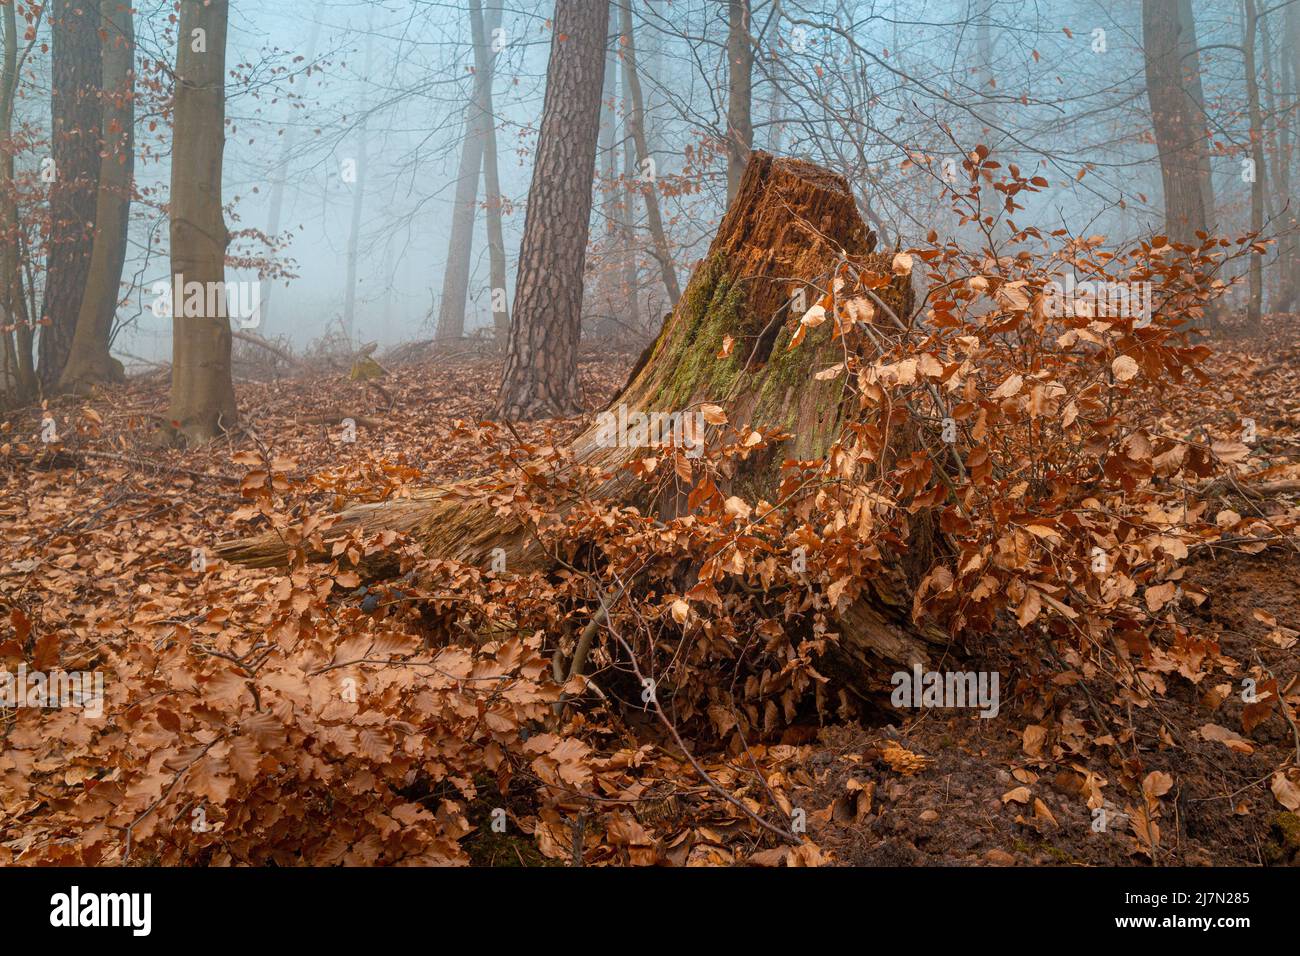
(1055,852)
(712,309)
(685,368)
(785,370)
(486,848)
(791,397)
(1286,831)
(1059,855)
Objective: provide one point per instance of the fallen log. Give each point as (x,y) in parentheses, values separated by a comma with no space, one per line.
(1242,485)
(337,417)
(725,344)
(280,353)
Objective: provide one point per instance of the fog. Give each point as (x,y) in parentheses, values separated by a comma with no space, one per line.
(865,87)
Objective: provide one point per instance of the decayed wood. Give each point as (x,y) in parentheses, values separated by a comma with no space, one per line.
(791,223)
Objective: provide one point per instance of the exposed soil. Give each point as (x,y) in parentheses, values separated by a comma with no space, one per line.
(966,806)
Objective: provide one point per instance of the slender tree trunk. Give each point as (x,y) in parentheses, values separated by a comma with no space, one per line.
(984,60)
(650,66)
(278,189)
(1289,288)
(12,390)
(1254,309)
(988,88)
(485,62)
(455,281)
(637,121)
(740,72)
(627,208)
(1292,20)
(202,393)
(776,128)
(1278,174)
(613,250)
(20,381)
(385,331)
(1189,60)
(358,206)
(89,361)
(1177,130)
(541,373)
(75,153)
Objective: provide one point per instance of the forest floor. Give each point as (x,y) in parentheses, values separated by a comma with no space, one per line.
(107,524)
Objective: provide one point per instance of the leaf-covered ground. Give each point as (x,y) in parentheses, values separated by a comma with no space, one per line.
(99,534)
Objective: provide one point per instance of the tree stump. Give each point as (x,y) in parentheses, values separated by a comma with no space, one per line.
(790,224)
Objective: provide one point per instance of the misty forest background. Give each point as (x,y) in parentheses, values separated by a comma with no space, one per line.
(352,132)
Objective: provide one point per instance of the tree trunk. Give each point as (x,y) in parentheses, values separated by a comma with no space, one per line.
(282,179)
(627,208)
(788,225)
(89,361)
(202,393)
(1189,59)
(455,279)
(1254,308)
(1292,29)
(650,62)
(358,206)
(485,63)
(988,88)
(1289,252)
(19,384)
(541,373)
(1178,132)
(1274,81)
(740,70)
(612,252)
(637,122)
(75,137)
(775,126)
